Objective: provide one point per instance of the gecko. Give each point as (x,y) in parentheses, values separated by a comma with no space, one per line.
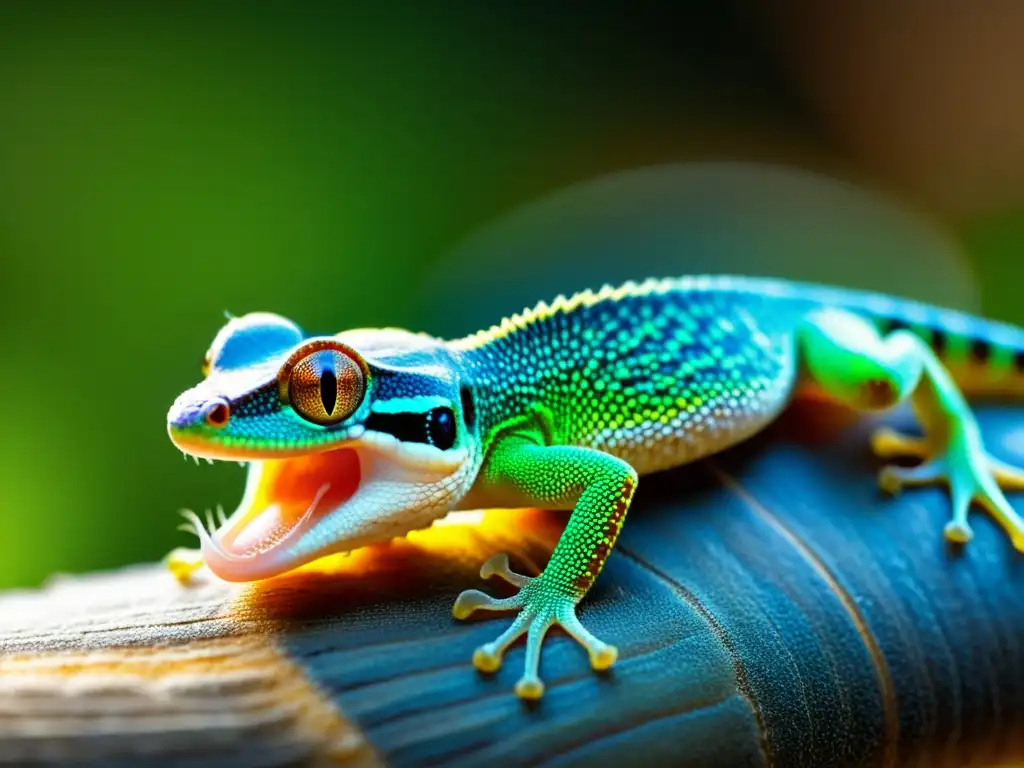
(369,434)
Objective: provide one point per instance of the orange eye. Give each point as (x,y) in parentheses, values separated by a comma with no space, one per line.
(326,386)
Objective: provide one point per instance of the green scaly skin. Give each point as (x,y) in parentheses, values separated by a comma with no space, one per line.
(563,407)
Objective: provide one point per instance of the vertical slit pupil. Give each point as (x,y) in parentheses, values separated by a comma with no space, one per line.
(328,391)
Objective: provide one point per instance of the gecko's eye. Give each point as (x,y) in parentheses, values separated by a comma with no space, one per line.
(325,386)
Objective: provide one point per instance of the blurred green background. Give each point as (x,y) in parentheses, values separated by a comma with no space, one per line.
(163,163)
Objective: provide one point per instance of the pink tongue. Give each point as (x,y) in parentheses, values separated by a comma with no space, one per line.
(257,534)
(289,492)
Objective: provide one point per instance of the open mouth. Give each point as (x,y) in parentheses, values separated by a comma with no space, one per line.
(370,490)
(284,499)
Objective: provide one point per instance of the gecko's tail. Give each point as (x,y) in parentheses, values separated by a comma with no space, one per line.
(985,357)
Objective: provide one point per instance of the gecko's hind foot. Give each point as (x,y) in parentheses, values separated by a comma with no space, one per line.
(183,563)
(540,607)
(964,465)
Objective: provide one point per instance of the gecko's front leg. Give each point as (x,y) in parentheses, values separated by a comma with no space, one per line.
(599,488)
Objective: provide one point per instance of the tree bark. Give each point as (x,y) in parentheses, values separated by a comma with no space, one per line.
(771,607)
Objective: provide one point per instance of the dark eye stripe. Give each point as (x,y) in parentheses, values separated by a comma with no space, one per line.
(435,427)
(407,427)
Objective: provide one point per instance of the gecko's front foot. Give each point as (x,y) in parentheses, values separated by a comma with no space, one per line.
(541,605)
(966,467)
(183,562)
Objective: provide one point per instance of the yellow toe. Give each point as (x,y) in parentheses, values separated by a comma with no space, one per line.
(604,657)
(959,533)
(486,661)
(182,563)
(530,688)
(888,443)
(889,481)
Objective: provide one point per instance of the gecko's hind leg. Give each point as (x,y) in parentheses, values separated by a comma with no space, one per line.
(847,357)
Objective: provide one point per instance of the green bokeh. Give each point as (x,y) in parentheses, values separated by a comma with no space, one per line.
(159,166)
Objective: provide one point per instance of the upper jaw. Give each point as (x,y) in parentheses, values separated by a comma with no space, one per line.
(202,446)
(190,433)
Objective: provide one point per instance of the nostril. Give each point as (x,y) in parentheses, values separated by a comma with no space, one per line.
(879,393)
(218,415)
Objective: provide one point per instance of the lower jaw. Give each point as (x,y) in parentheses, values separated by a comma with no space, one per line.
(283,500)
(256,568)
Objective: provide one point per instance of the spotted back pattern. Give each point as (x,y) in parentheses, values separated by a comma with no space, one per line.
(657,374)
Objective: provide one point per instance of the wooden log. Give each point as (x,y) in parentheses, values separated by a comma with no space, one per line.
(771,607)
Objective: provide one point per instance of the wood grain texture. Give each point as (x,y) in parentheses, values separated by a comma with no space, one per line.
(771,607)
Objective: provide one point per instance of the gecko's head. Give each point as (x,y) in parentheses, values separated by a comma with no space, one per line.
(349,439)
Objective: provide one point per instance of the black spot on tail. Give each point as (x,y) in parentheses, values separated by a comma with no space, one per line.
(936,338)
(895,324)
(981,350)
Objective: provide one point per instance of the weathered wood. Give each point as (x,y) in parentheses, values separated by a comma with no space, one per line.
(770,606)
